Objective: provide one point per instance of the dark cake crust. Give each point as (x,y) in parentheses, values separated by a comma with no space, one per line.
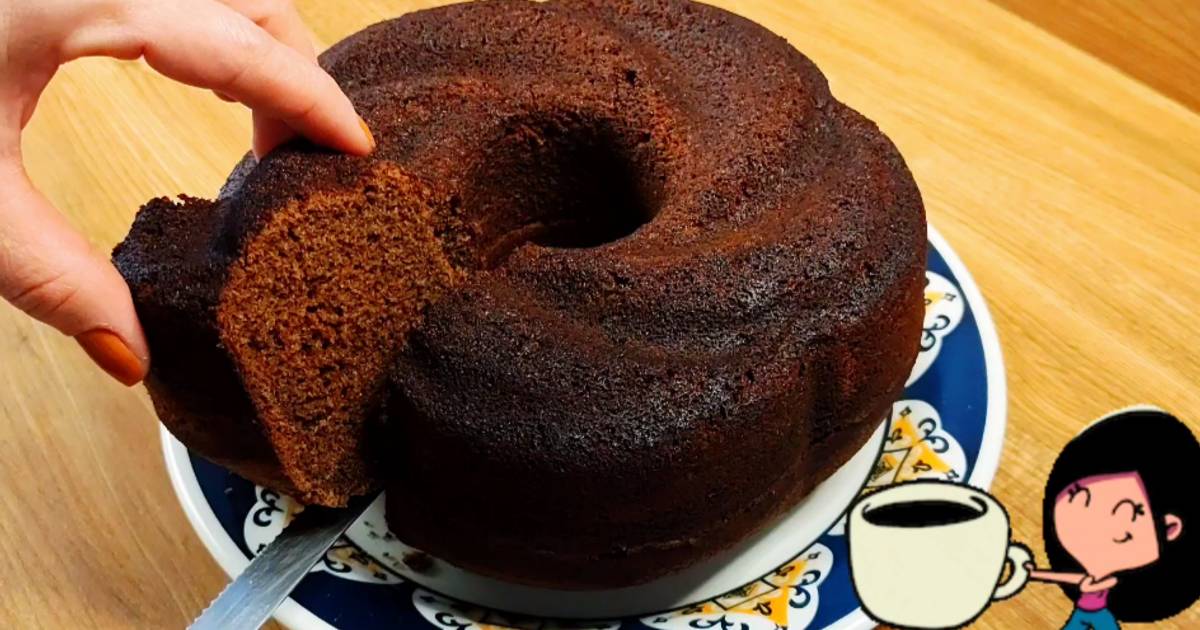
(693,284)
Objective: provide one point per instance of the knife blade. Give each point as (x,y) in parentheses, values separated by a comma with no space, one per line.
(250,600)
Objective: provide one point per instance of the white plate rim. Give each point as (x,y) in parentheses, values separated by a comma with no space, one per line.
(229,557)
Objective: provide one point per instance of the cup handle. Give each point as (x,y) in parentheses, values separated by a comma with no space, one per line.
(1018,555)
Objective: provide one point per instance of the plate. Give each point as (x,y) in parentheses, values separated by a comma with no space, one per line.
(949,425)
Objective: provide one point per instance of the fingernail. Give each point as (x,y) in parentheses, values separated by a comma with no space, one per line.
(110,353)
(367,130)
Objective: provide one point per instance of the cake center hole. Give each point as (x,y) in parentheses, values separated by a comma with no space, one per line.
(602,201)
(563,184)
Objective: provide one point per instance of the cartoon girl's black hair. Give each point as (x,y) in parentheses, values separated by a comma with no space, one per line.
(1165,454)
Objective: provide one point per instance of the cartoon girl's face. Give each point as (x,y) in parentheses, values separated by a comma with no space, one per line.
(1105,523)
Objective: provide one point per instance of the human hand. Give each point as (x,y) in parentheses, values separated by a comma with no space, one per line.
(1090,584)
(256,52)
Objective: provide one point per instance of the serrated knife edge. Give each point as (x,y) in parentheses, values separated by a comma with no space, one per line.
(251,598)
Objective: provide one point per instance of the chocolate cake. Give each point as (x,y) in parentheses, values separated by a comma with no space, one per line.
(621,283)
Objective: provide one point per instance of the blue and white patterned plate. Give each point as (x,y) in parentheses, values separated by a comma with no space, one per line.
(949,425)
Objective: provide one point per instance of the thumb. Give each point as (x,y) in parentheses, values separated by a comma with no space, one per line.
(52,273)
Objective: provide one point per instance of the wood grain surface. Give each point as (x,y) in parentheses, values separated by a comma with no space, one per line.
(1154,42)
(1062,162)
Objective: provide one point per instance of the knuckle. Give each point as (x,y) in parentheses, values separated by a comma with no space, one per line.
(248,51)
(252,43)
(306,93)
(300,109)
(136,18)
(44,299)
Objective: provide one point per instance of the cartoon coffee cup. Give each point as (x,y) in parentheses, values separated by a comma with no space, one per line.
(931,554)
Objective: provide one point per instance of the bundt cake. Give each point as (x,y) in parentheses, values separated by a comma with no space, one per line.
(621,283)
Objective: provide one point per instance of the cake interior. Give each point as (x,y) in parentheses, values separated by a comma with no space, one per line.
(313,311)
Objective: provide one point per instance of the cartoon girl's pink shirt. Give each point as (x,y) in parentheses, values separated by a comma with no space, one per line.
(1091,602)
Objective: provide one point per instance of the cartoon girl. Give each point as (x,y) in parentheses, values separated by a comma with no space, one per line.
(1121,520)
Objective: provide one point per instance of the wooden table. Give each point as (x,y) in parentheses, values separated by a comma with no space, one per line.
(1057,147)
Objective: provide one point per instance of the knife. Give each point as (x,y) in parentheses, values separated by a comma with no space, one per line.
(250,600)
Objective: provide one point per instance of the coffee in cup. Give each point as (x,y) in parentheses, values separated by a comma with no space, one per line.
(930,554)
